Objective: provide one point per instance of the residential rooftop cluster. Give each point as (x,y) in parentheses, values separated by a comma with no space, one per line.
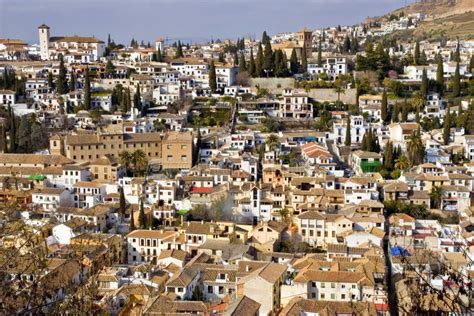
(321,172)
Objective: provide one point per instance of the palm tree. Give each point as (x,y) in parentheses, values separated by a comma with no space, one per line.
(402,163)
(415,148)
(436,196)
(125,159)
(139,160)
(338,88)
(272,141)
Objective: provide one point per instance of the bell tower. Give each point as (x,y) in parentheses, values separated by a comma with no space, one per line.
(43,31)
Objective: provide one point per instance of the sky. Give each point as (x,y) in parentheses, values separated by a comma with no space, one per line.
(186,20)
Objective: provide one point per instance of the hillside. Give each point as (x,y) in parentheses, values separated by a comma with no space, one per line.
(437,8)
(445,19)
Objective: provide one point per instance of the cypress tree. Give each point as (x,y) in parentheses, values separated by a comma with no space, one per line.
(320,55)
(346,47)
(304,60)
(277,70)
(293,62)
(457,54)
(405,110)
(395,114)
(236,59)
(159,56)
(179,50)
(471,63)
(72,81)
(109,68)
(447,126)
(137,98)
(4,139)
(61,83)
(221,58)
(242,64)
(87,90)
(388,156)
(440,75)
(469,121)
(123,101)
(259,61)
(268,59)
(265,38)
(384,108)
(252,68)
(12,131)
(424,83)
(122,203)
(416,55)
(347,141)
(212,78)
(132,220)
(50,80)
(23,135)
(456,82)
(141,216)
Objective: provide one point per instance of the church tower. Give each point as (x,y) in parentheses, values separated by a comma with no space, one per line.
(44,41)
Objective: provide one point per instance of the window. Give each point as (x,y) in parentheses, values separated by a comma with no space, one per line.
(322,296)
(210,289)
(323,285)
(333,296)
(333,285)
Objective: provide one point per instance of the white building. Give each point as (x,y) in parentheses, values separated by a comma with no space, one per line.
(294,104)
(332,67)
(7,97)
(51,47)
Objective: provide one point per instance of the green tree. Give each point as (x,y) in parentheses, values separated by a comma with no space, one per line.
(132,220)
(447,126)
(137,98)
(12,131)
(109,69)
(50,80)
(415,148)
(348,141)
(242,64)
(396,113)
(469,121)
(416,54)
(320,54)
(72,81)
(141,216)
(471,63)
(388,156)
(212,78)
(272,142)
(23,135)
(122,202)
(265,38)
(436,195)
(384,107)
(268,59)
(293,62)
(424,83)
(221,58)
(139,161)
(304,60)
(259,70)
(440,75)
(61,82)
(125,159)
(456,82)
(87,90)
(402,163)
(252,68)
(179,50)
(405,110)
